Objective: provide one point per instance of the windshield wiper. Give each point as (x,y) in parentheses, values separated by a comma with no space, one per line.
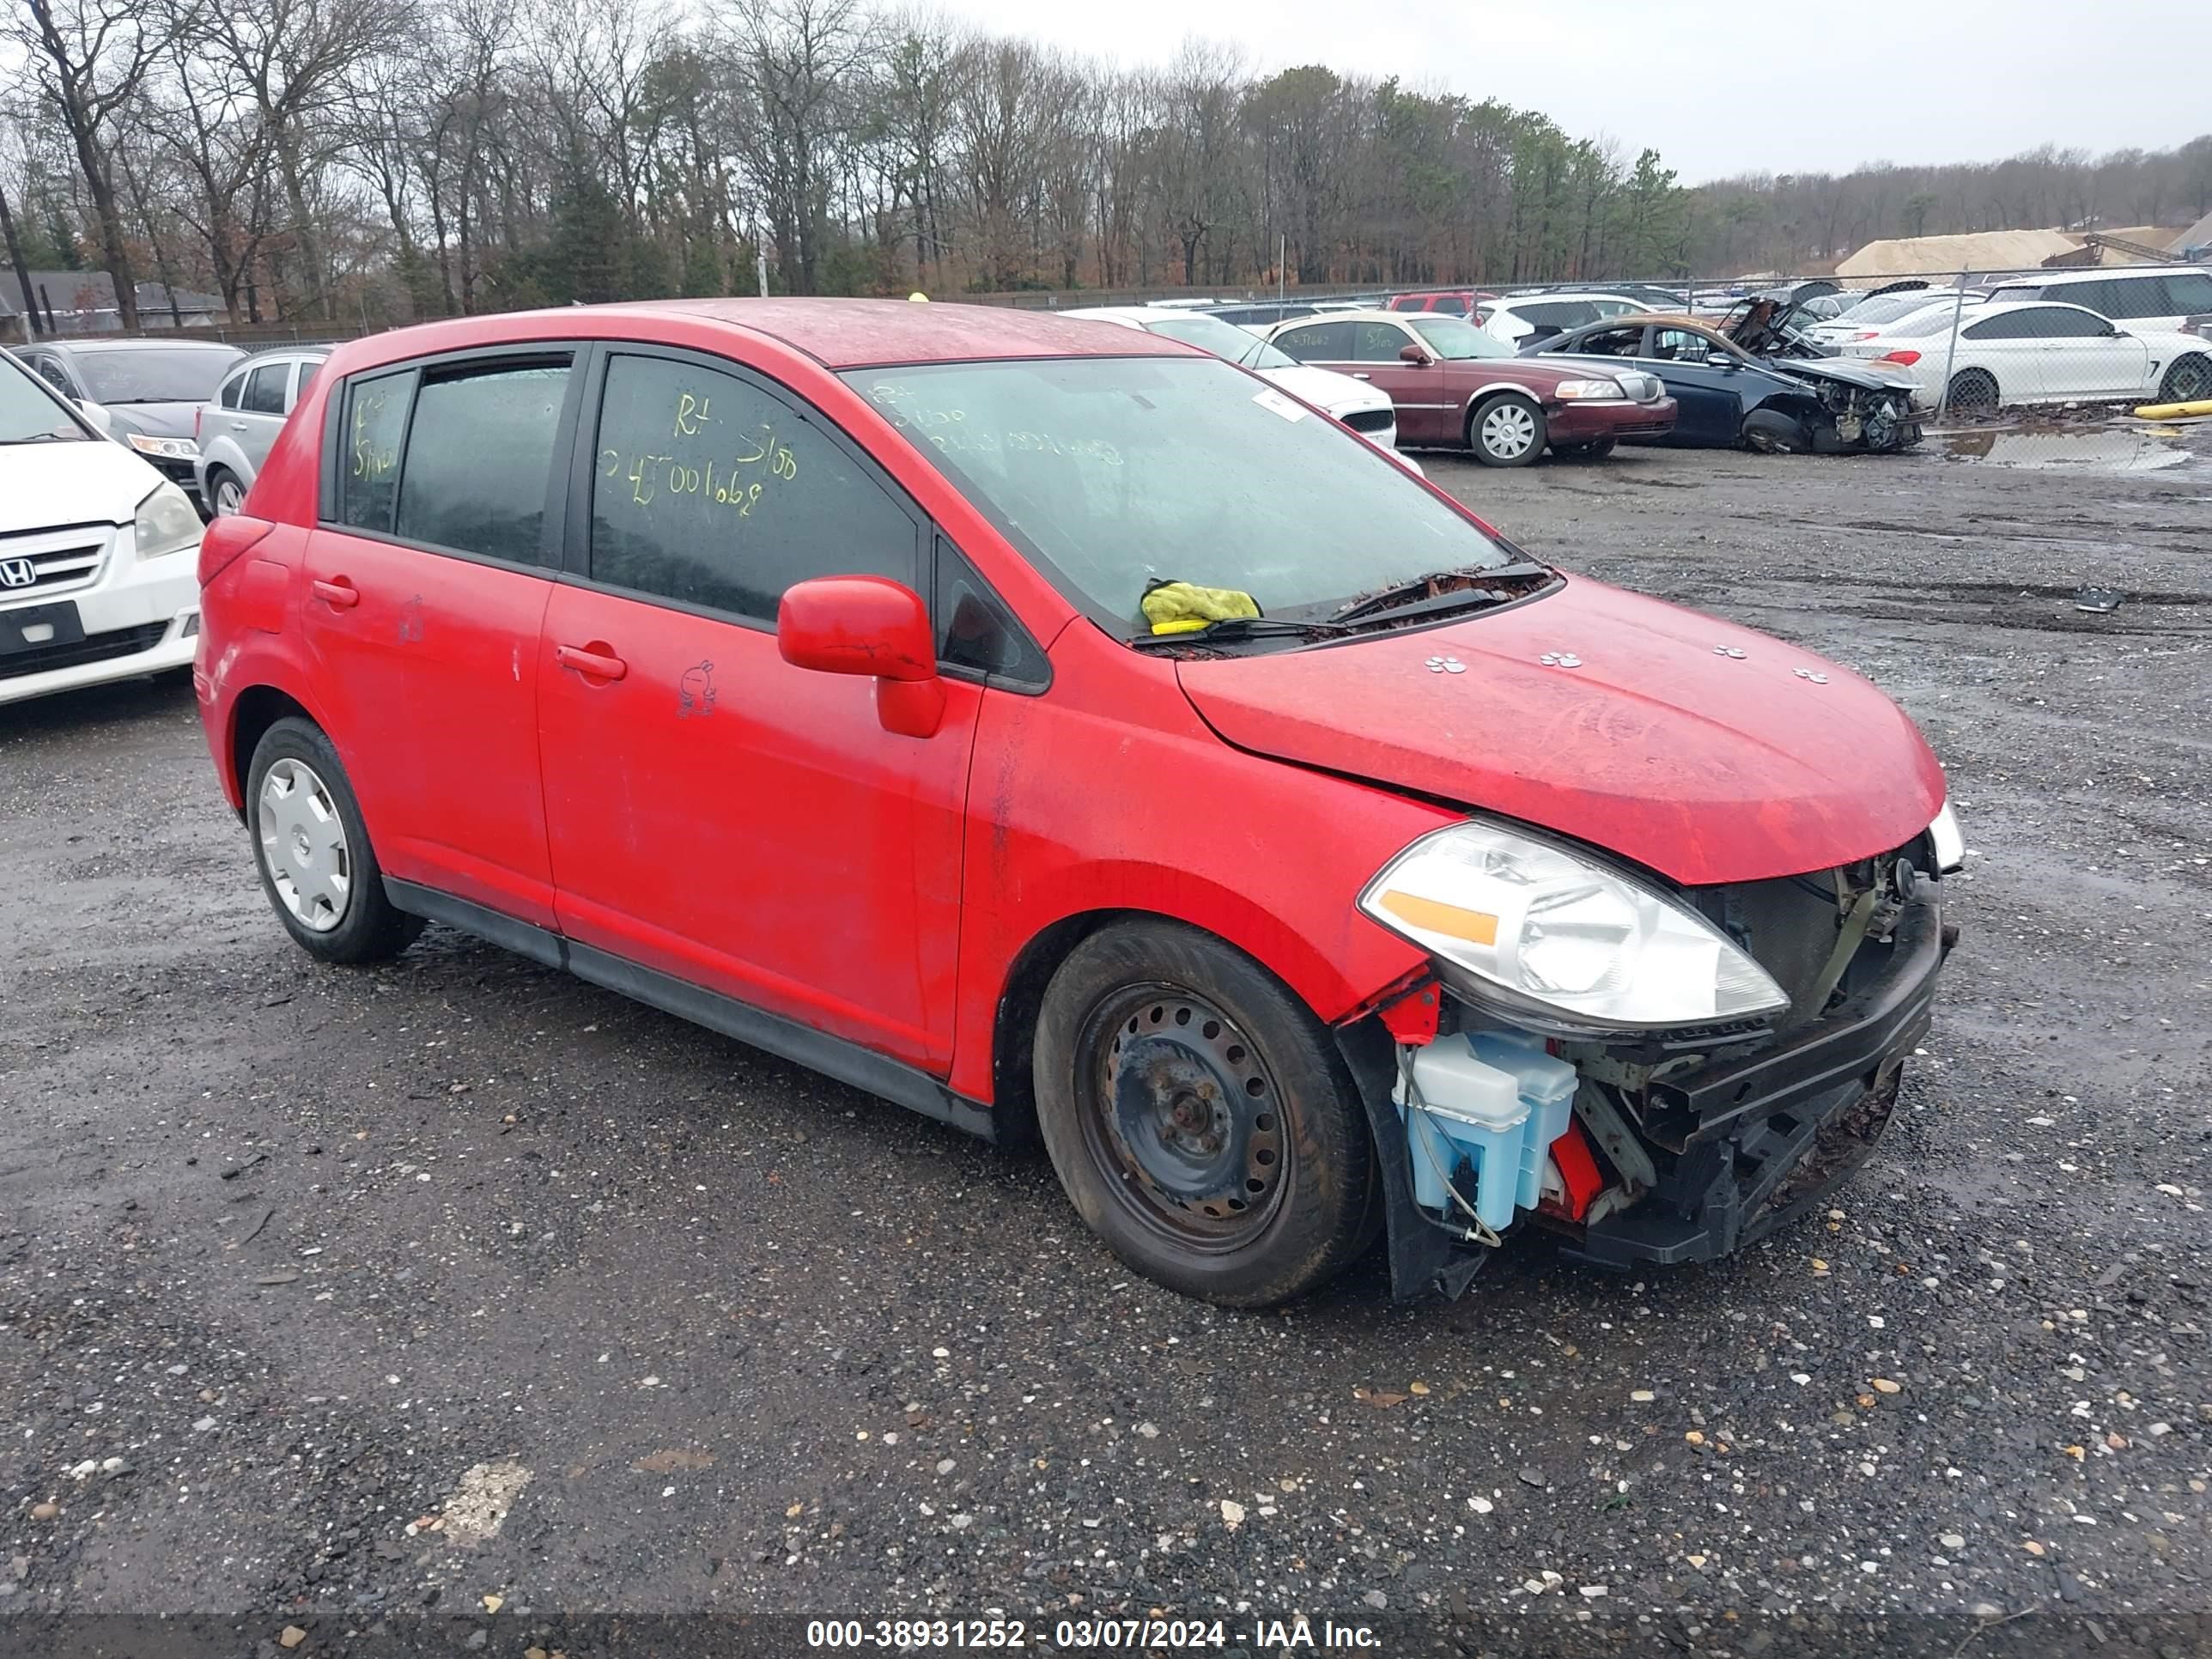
(1407,595)
(1242,627)
(43,438)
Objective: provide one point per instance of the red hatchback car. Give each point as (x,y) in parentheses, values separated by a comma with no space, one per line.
(1048,726)
(1452,386)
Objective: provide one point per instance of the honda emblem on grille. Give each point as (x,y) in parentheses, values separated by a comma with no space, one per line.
(17,572)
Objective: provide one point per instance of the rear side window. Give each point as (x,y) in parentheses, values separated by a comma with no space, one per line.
(1322,342)
(2134,297)
(1377,343)
(2006,325)
(712,492)
(264,389)
(480,460)
(368,449)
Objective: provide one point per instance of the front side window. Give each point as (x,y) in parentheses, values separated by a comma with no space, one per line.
(1110,473)
(1328,342)
(710,490)
(374,424)
(1680,345)
(480,460)
(2057,322)
(2188,294)
(975,630)
(1454,338)
(1377,343)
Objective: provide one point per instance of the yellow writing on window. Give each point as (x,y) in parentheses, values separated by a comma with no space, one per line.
(370,464)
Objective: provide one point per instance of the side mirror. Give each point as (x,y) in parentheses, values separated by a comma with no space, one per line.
(97,414)
(868,625)
(1719,360)
(1417,355)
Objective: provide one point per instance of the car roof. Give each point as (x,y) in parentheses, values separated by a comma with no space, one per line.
(2068,278)
(838,334)
(98,342)
(1362,315)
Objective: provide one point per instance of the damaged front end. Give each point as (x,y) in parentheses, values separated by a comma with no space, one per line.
(1672,1144)
(1855,417)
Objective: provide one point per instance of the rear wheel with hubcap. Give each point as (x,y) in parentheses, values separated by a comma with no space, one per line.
(225,495)
(1973,391)
(1199,1117)
(1505,429)
(317,865)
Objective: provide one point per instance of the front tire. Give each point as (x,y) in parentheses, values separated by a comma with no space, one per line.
(313,850)
(1201,1118)
(1505,429)
(1595,450)
(2188,379)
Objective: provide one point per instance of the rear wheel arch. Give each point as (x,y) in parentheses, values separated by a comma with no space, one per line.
(255,710)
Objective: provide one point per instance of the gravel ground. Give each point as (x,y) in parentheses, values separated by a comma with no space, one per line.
(462,1302)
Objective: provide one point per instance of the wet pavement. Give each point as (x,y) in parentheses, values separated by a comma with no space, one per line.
(462,1302)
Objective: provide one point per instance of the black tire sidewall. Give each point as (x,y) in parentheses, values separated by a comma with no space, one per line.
(372,929)
(1984,385)
(2170,392)
(1325,1215)
(1474,418)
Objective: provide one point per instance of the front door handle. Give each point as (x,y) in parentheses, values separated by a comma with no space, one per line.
(337,592)
(1361,375)
(594,665)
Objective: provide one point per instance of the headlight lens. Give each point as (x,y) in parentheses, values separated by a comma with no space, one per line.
(1586,390)
(1560,942)
(167,523)
(171,449)
(1948,840)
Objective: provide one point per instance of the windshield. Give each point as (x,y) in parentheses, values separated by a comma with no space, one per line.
(1222,339)
(1455,337)
(28,415)
(1110,473)
(164,375)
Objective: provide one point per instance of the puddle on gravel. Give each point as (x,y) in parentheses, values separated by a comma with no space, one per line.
(2094,449)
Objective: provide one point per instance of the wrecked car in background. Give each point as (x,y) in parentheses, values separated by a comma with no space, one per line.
(1725,397)
(1055,729)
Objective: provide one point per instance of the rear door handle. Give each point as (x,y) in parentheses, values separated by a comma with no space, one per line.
(1361,375)
(238,426)
(596,664)
(337,592)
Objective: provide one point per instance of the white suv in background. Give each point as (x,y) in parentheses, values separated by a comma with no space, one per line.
(98,576)
(2169,299)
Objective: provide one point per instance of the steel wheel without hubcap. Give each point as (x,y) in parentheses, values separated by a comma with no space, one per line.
(303,845)
(229,496)
(1183,1109)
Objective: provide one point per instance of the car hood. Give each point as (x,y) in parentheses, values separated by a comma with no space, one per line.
(1326,390)
(1646,738)
(1862,374)
(44,486)
(154,420)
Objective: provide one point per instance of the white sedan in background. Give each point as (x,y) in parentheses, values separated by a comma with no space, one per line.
(1515,317)
(1869,317)
(1358,405)
(2033,352)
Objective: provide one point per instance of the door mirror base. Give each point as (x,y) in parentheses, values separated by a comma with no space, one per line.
(868,625)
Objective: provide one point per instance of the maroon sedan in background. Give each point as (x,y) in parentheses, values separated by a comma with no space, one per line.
(1454,384)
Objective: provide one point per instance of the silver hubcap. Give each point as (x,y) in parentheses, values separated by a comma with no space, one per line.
(228,497)
(1508,429)
(303,845)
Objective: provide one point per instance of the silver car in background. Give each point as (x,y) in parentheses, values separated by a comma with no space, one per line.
(237,426)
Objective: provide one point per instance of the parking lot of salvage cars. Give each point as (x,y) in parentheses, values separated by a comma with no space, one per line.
(459,1290)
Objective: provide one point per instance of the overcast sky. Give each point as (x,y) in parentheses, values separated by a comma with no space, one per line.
(1719,86)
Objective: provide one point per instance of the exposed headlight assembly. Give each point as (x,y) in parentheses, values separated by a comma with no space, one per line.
(1589,390)
(1560,943)
(169,449)
(166,523)
(1948,840)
